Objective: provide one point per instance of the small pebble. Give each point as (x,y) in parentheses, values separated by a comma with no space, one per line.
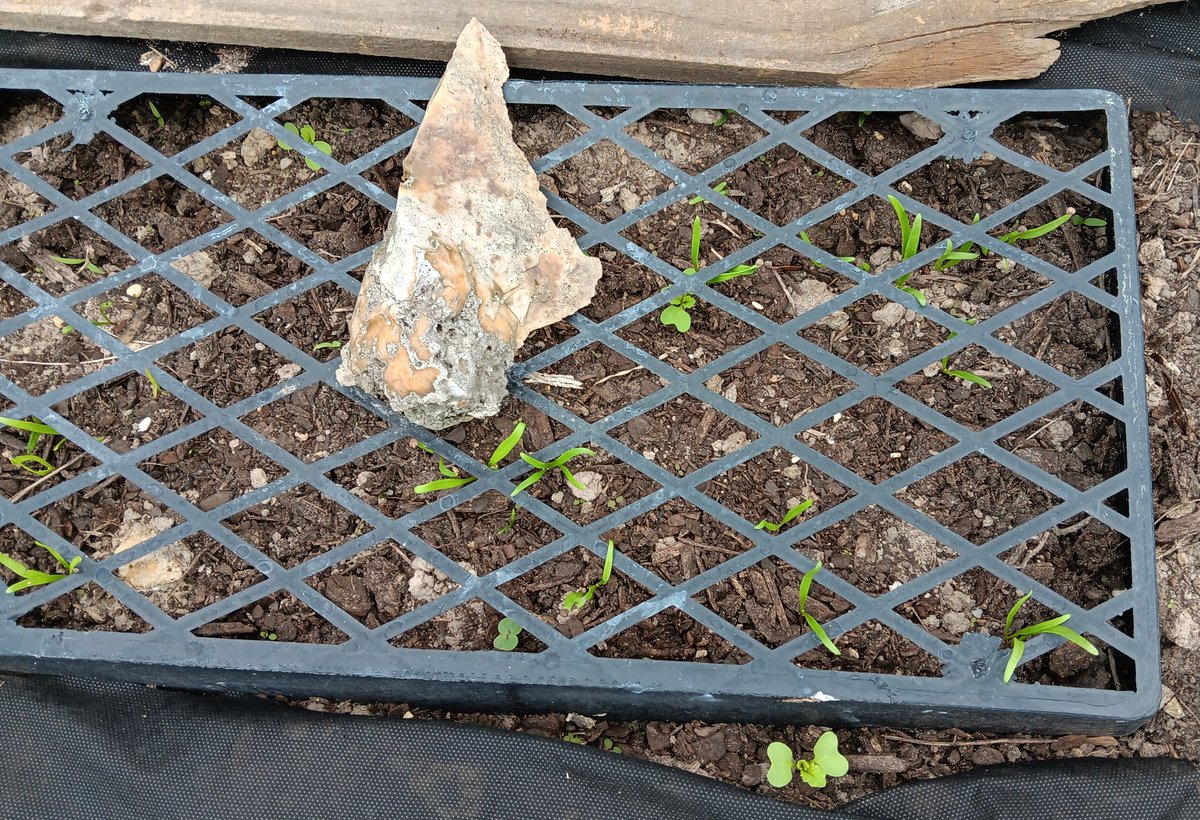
(258,478)
(285,163)
(134,291)
(143,425)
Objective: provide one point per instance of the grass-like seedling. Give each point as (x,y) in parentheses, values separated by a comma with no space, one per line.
(452,480)
(158,118)
(965,375)
(724,118)
(1054,626)
(29,461)
(826,762)
(721,188)
(309,135)
(788,517)
(543,467)
(155,389)
(576,598)
(334,345)
(1088,221)
(952,255)
(910,245)
(32,577)
(506,635)
(1022,234)
(82,264)
(813,623)
(865,266)
(677,313)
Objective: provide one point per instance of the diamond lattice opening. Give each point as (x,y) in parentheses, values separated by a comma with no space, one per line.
(48,354)
(787,284)
(875,334)
(171,123)
(144,313)
(960,190)
(763,601)
(876,551)
(1072,333)
(387,477)
(64,257)
(258,367)
(161,214)
(63,461)
(604,181)
(598,381)
(677,541)
(1082,559)
(351,127)
(670,635)
(540,129)
(243,267)
(314,422)
(1078,242)
(279,616)
(872,141)
(1063,140)
(667,234)
(89,608)
(82,169)
(873,647)
(378,585)
(18,202)
(469,627)
(694,139)
(486,533)
(542,590)
(108,518)
(770,484)
(212,468)
(684,434)
(780,384)
(876,439)
(315,321)
(1077,443)
(297,526)
(712,334)
(185,576)
(783,185)
(978,498)
(335,223)
(607,483)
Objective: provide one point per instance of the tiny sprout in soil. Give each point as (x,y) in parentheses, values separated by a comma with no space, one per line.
(788,517)
(32,577)
(451,480)
(29,461)
(813,623)
(269,636)
(910,245)
(543,467)
(865,266)
(154,387)
(952,255)
(826,762)
(965,375)
(506,635)
(721,188)
(82,264)
(309,135)
(575,599)
(607,745)
(724,118)
(334,345)
(574,737)
(1054,626)
(158,118)
(676,313)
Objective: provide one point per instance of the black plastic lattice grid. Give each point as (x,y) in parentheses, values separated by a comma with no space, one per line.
(565,675)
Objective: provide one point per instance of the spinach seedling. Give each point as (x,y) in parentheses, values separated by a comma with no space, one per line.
(1054,626)
(82,264)
(309,135)
(158,118)
(506,635)
(607,745)
(155,389)
(1088,222)
(862,117)
(451,480)
(864,266)
(334,345)
(724,118)
(677,313)
(952,255)
(721,188)
(826,762)
(910,244)
(813,623)
(29,461)
(543,467)
(575,599)
(965,375)
(788,517)
(1021,234)
(32,577)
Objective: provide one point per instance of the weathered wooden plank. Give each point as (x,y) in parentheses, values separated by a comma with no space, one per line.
(835,42)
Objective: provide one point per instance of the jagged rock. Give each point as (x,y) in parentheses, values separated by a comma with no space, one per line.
(470,264)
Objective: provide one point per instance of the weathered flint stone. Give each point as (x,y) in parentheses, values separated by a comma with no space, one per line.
(471,263)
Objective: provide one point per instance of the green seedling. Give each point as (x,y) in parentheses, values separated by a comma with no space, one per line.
(158,118)
(965,375)
(82,264)
(309,135)
(154,387)
(512,520)
(1088,222)
(910,245)
(862,118)
(543,467)
(575,599)
(865,266)
(267,635)
(452,480)
(724,118)
(334,345)
(29,461)
(677,313)
(1023,234)
(32,577)
(574,737)
(607,745)
(506,635)
(788,517)
(826,762)
(1054,626)
(813,623)
(952,255)
(103,308)
(721,188)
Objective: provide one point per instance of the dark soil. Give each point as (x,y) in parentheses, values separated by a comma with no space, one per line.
(976,498)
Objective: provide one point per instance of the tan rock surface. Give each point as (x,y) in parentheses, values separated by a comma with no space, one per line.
(471,263)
